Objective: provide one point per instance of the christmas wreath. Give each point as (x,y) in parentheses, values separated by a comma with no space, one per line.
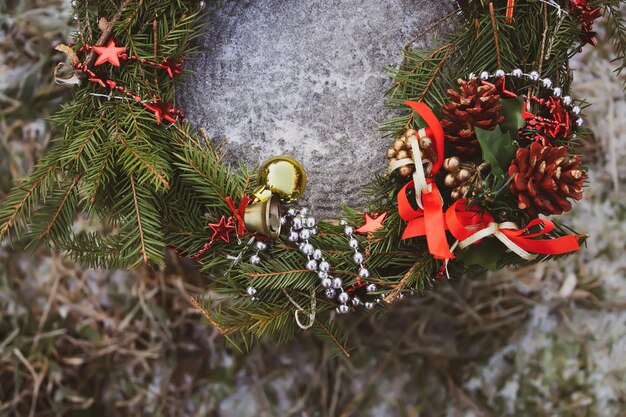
(483,149)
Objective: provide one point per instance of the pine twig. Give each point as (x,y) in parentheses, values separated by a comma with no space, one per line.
(54,218)
(337,342)
(224,331)
(494,25)
(139,223)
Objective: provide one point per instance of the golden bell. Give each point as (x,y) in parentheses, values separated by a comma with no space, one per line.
(263,217)
(282,176)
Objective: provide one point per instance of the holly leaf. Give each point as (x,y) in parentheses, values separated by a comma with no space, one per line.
(485,254)
(498,148)
(512,112)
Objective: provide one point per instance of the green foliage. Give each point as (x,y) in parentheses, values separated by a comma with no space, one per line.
(497,147)
(112,160)
(512,112)
(155,187)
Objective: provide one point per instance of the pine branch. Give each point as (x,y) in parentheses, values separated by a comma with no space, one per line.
(331,334)
(71,190)
(140,231)
(16,209)
(617,25)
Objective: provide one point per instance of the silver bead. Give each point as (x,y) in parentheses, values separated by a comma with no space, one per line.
(283,220)
(261,246)
(255,260)
(313,231)
(517,73)
(534,75)
(576,110)
(337,283)
(330,293)
(324,266)
(371,287)
(557,92)
(308,249)
(348,230)
(251,291)
(327,283)
(294,236)
(202,4)
(356,301)
(579,122)
(353,243)
(567,100)
(547,83)
(471,76)
(291,212)
(311,265)
(369,305)
(317,254)
(499,73)
(305,234)
(343,297)
(343,222)
(364,273)
(484,75)
(322,275)
(304,212)
(75,17)
(296,223)
(310,222)
(358,258)
(343,309)
(73,3)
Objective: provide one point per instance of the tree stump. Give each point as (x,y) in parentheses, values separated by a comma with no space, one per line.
(305,79)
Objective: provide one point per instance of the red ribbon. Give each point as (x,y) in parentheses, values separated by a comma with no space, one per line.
(434,129)
(464,221)
(429,221)
(238,212)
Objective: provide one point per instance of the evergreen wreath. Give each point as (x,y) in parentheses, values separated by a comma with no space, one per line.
(484,143)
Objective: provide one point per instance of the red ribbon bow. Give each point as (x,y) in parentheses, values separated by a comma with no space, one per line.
(239,212)
(464,222)
(428,221)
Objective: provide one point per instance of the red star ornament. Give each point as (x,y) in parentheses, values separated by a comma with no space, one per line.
(172,66)
(500,86)
(110,53)
(162,111)
(372,224)
(222,229)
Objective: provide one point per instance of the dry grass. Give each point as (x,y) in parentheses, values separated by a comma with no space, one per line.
(75,341)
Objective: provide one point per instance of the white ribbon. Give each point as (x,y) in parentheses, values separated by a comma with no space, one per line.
(419,176)
(492,229)
(559,10)
(299,310)
(495,230)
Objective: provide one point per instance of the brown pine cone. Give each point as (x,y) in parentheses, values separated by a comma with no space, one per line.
(474,105)
(544,177)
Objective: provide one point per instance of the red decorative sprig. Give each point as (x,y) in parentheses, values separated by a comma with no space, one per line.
(558,125)
(586,16)
(114,55)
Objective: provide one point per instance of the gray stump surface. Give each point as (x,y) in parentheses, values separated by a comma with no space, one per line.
(307,79)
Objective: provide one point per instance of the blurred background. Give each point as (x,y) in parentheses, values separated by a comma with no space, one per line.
(548,340)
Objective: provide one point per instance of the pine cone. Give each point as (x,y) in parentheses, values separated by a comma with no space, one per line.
(472,106)
(544,178)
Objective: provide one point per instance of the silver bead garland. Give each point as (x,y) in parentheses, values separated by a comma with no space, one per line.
(535,77)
